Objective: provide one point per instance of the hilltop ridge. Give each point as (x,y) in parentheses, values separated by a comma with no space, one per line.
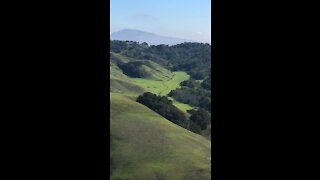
(148,37)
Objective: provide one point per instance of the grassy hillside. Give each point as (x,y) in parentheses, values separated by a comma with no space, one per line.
(164,86)
(150,69)
(161,82)
(144,145)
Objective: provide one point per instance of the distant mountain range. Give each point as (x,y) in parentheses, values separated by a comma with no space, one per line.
(150,38)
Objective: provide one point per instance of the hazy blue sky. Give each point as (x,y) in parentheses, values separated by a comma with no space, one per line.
(188,19)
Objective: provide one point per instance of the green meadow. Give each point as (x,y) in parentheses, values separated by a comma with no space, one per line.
(161,83)
(164,86)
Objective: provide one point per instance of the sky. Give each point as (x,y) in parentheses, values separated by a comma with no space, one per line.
(187,19)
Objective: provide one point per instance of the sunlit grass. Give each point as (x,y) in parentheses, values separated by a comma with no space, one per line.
(147,146)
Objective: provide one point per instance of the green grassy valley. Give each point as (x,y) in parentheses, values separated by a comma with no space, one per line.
(144,144)
(162,81)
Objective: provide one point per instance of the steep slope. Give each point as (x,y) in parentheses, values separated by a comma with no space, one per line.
(144,145)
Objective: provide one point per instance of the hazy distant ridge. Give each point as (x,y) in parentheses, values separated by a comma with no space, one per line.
(150,38)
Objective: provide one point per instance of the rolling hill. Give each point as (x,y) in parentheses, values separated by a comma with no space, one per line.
(145,145)
(161,81)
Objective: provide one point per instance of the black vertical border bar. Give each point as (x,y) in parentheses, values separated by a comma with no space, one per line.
(218,138)
(102,97)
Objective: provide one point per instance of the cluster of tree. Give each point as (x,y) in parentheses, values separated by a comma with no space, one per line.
(123,46)
(163,106)
(194,58)
(198,97)
(133,69)
(191,83)
(199,120)
(207,82)
(137,51)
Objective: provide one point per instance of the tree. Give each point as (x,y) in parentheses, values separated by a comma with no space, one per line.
(163,106)
(200,117)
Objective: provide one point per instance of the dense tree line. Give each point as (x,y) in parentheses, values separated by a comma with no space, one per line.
(163,106)
(197,122)
(191,92)
(191,83)
(194,58)
(207,82)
